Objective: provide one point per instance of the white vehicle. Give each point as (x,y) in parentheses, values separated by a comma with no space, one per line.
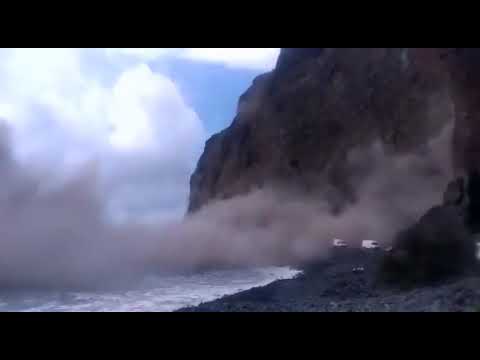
(478,250)
(359,269)
(339,243)
(370,244)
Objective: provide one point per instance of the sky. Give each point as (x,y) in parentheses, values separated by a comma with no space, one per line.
(140,116)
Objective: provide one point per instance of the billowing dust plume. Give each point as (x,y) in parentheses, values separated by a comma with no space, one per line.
(59,236)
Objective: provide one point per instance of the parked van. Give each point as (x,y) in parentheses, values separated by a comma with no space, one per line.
(370,244)
(339,243)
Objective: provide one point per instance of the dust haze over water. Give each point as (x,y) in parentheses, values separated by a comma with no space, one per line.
(61,237)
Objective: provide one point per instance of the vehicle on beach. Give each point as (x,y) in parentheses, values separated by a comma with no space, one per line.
(370,244)
(358,270)
(339,243)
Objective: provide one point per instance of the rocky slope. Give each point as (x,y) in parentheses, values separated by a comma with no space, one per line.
(296,125)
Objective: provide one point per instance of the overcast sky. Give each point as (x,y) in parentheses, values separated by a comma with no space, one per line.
(142,115)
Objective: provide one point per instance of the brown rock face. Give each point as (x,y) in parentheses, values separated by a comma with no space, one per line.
(296,125)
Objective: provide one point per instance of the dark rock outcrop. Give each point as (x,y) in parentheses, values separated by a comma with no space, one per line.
(473,206)
(463,67)
(438,246)
(442,243)
(455,194)
(296,125)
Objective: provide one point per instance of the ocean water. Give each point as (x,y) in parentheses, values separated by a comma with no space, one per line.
(154,294)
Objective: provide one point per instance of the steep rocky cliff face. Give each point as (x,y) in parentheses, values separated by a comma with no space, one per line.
(297,126)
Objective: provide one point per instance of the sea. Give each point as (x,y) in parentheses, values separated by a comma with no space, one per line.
(152,294)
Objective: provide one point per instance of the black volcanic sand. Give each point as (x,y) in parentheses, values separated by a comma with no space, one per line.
(331,285)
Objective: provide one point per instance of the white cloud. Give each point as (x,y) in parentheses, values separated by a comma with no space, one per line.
(262,59)
(71,105)
(143,54)
(146,107)
(248,58)
(54,80)
(64,111)
(158,138)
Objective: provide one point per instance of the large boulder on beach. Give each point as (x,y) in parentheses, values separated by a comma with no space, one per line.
(438,246)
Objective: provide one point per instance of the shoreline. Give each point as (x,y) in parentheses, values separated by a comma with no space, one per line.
(332,286)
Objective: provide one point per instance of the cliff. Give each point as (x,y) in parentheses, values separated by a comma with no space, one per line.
(296,125)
